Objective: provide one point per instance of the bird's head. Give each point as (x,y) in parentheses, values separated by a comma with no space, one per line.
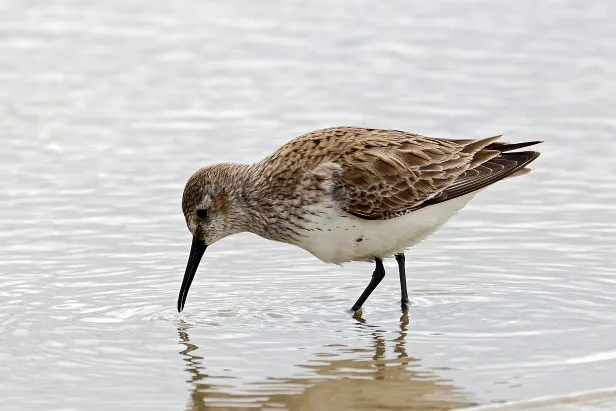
(212,206)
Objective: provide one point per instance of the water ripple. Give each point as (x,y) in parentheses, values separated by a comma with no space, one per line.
(107,108)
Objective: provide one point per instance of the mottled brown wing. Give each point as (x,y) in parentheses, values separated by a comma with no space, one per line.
(379,174)
(384,177)
(493,170)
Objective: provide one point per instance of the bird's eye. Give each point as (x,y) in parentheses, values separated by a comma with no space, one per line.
(202,213)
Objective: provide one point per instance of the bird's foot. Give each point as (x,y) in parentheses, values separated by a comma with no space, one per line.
(358,316)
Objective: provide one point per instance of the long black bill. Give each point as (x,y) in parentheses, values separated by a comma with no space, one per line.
(196,252)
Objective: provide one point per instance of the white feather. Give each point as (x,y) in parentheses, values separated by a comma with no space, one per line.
(338,237)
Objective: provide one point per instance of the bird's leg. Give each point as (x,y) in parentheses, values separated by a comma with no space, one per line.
(377,276)
(401,268)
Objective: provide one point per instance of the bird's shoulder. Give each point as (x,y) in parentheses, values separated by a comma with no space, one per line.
(374,168)
(354,146)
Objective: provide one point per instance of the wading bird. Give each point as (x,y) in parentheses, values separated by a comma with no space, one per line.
(346,194)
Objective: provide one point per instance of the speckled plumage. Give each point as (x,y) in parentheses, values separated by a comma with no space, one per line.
(346,193)
(366,174)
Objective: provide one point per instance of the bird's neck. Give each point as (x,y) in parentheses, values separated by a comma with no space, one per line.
(262,207)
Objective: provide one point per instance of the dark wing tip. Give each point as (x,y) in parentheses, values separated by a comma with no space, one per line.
(504,147)
(492,171)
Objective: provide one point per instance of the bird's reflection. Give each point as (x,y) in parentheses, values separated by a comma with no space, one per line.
(194,366)
(376,382)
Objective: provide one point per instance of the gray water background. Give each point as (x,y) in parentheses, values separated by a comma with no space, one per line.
(106,108)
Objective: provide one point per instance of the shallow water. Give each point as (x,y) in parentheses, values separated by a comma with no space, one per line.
(106,108)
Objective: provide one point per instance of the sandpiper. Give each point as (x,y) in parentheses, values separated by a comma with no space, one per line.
(346,194)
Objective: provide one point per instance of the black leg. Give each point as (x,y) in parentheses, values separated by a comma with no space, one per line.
(401,268)
(377,276)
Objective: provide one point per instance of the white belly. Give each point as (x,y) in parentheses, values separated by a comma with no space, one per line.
(337,237)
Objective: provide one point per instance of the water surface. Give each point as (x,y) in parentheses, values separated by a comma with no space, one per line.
(106,108)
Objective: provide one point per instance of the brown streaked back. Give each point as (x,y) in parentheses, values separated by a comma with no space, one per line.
(384,173)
